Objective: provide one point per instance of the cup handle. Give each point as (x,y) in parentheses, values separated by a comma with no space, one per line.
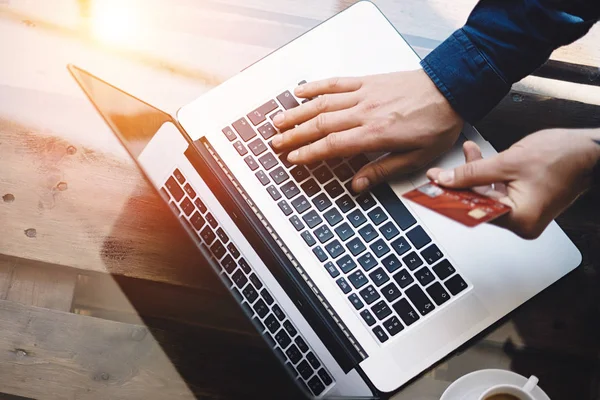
(531,384)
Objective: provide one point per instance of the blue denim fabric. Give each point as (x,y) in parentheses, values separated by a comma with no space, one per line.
(502,42)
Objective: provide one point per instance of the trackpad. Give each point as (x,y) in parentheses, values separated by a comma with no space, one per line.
(425,340)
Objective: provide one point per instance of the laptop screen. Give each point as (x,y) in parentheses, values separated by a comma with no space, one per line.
(134,121)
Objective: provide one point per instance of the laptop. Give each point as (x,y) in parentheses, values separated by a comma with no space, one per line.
(355,295)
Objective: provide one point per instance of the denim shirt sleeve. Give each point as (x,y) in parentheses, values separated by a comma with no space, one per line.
(502,42)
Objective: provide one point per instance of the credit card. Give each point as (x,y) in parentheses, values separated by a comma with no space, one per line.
(462,205)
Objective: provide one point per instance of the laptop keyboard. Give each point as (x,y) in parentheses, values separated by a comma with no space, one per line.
(381,259)
(267,315)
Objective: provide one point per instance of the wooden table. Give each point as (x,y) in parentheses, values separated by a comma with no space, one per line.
(102,296)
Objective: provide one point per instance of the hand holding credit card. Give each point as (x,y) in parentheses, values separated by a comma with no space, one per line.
(465,206)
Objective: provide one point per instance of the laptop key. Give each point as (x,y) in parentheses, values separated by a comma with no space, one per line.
(344,231)
(393,325)
(377,216)
(346,264)
(432,254)
(297,223)
(332,162)
(379,248)
(179,176)
(356,246)
(299,173)
(381,310)
(343,284)
(256,281)
(315,385)
(294,354)
(240,148)
(368,317)
(218,249)
(285,207)
(278,312)
(300,204)
(367,261)
(200,205)
(229,134)
(251,163)
(262,178)
(239,278)
(406,312)
(207,235)
(443,269)
(320,253)
(333,217)
(424,276)
(313,360)
(345,203)
(267,131)
(283,339)
(419,299)
(243,128)
(403,278)
(456,284)
(312,219)
(400,246)
(322,202)
(412,260)
(366,201)
(190,191)
(343,172)
(197,221)
(379,277)
(334,248)
(275,113)
(381,335)
(211,220)
(369,294)
(266,296)
(391,263)
(268,161)
(257,116)
(438,294)
(333,272)
(233,250)
(174,188)
(250,293)
(279,175)
(323,233)
(313,165)
(304,369)
(228,264)
(308,238)
(325,377)
(244,265)
(290,190)
(272,324)
(358,161)
(273,192)
(287,100)
(222,235)
(323,174)
(334,189)
(418,237)
(301,344)
(310,187)
(389,231)
(261,308)
(358,279)
(394,206)
(356,301)
(356,218)
(284,160)
(391,292)
(368,233)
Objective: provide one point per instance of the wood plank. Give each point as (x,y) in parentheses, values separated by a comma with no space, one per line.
(33,283)
(7,266)
(47,354)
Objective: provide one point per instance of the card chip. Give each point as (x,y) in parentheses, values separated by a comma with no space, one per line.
(477,213)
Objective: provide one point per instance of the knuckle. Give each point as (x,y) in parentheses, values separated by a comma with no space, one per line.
(321,104)
(371,105)
(333,83)
(332,141)
(376,128)
(320,123)
(467,171)
(380,170)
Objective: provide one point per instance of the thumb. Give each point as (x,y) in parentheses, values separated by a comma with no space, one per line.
(476,173)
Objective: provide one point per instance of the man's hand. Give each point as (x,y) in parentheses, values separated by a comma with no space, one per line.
(538,177)
(402,113)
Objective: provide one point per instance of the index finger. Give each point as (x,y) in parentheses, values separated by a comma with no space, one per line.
(328,86)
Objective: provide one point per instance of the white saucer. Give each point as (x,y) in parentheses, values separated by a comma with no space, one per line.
(471,386)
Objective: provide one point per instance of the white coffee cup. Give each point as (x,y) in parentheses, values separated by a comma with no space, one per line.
(521,393)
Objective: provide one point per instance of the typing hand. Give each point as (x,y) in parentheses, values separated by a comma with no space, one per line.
(402,114)
(539,176)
